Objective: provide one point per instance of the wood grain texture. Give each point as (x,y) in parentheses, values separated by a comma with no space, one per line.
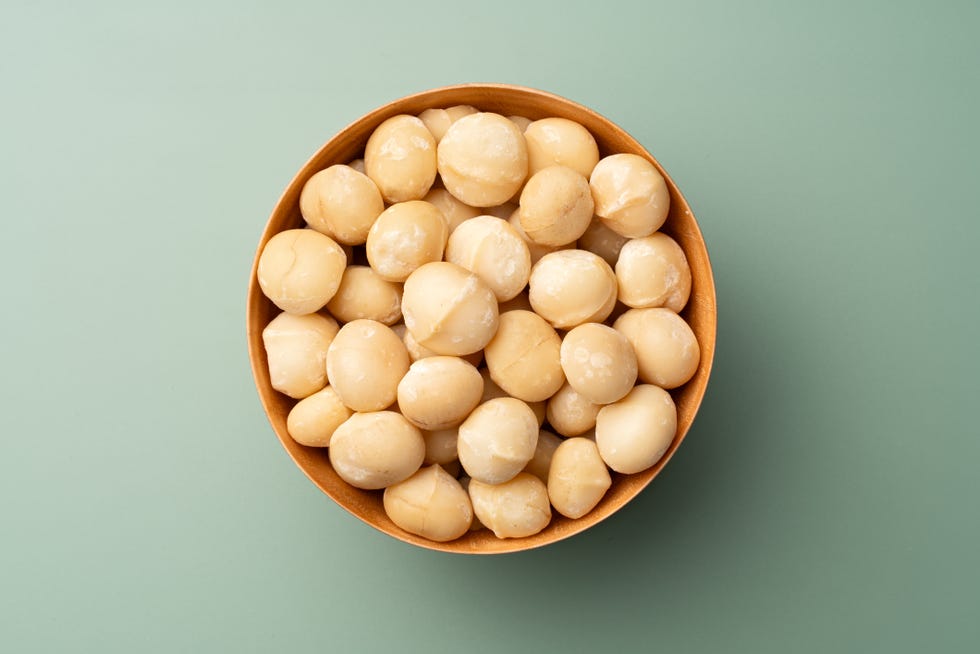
(700,313)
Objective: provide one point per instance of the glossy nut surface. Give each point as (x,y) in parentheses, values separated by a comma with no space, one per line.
(377,449)
(300,270)
(634,433)
(497,440)
(431,504)
(296,351)
(400,157)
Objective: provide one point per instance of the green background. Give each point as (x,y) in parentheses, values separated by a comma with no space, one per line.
(826,498)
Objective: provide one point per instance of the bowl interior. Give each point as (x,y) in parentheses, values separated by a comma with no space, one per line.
(508,100)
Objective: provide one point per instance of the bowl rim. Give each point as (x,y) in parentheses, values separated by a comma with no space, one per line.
(707,301)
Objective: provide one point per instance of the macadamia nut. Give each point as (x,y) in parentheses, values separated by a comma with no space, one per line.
(556,206)
(296,347)
(416,351)
(630,195)
(436,121)
(492,391)
(634,433)
(540,463)
(364,294)
(514,509)
(497,440)
(449,309)
(603,241)
(653,272)
(570,413)
(560,142)
(404,237)
(430,504)
(536,250)
(571,287)
(300,270)
(455,212)
(315,418)
(400,157)
(523,357)
(599,363)
(577,478)
(341,203)
(667,350)
(365,362)
(440,446)
(490,248)
(483,159)
(520,121)
(377,449)
(439,120)
(439,392)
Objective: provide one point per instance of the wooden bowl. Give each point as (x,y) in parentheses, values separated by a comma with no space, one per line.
(507,100)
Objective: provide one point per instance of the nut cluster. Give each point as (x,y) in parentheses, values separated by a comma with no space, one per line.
(481,318)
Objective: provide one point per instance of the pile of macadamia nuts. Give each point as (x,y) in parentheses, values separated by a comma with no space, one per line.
(481,318)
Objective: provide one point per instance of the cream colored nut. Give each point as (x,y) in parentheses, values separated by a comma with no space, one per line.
(536,250)
(520,121)
(635,433)
(439,392)
(630,194)
(483,159)
(492,391)
(377,449)
(514,509)
(578,478)
(523,357)
(448,309)
(476,525)
(364,294)
(667,350)
(556,206)
(497,440)
(440,446)
(502,211)
(439,120)
(365,362)
(459,111)
(405,236)
(570,413)
(315,418)
(519,302)
(540,463)
(400,157)
(494,251)
(653,272)
(572,287)
(603,241)
(454,211)
(358,165)
(296,347)
(561,142)
(416,351)
(341,203)
(599,363)
(300,270)
(430,504)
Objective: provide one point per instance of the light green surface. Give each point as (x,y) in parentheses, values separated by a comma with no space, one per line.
(826,498)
